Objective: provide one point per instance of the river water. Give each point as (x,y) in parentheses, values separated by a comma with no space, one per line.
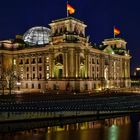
(119,128)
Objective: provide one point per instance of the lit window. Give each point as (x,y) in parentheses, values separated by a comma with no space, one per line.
(47,59)
(21,76)
(14,61)
(48,75)
(47,67)
(21,69)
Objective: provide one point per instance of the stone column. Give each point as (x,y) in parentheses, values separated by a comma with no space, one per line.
(65,64)
(128,68)
(52,64)
(30,67)
(71,62)
(102,70)
(77,64)
(86,64)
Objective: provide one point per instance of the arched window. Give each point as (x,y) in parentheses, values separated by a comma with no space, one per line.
(58,70)
(59,59)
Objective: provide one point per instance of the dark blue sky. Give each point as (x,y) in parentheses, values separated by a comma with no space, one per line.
(17,16)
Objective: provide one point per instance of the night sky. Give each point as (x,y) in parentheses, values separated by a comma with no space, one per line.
(17,16)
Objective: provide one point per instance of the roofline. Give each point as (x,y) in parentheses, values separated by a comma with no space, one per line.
(68,18)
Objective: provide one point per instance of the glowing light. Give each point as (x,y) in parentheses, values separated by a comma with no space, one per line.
(37,36)
(137,68)
(14,61)
(113,133)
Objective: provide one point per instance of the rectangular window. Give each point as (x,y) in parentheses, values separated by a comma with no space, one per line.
(97,61)
(48,75)
(33,75)
(21,61)
(21,69)
(93,75)
(39,86)
(40,68)
(40,60)
(33,68)
(26,85)
(47,59)
(47,67)
(22,76)
(27,68)
(93,61)
(27,76)
(33,61)
(40,76)
(32,85)
(27,61)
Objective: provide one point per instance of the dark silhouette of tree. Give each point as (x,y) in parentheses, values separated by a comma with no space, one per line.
(3,82)
(11,79)
(8,80)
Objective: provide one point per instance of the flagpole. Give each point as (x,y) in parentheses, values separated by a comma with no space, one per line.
(67,9)
(113,31)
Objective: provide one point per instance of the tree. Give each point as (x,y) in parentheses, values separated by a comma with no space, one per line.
(8,80)
(11,79)
(3,82)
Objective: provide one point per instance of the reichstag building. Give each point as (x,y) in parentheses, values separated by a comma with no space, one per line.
(62,58)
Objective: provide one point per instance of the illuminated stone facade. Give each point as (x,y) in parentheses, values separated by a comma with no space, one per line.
(69,61)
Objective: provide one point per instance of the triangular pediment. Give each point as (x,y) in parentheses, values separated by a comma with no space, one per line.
(108,49)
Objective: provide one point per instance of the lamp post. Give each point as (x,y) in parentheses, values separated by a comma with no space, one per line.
(18,85)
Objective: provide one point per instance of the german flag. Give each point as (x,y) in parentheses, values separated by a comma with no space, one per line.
(116,31)
(70,9)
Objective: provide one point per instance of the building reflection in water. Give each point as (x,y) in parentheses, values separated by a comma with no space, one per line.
(108,129)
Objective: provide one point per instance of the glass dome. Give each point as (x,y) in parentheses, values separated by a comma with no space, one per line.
(37,36)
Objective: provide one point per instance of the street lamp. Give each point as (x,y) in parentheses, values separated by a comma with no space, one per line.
(18,85)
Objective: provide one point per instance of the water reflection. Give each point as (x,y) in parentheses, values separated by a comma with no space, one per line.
(108,129)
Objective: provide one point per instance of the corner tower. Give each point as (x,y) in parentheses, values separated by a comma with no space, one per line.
(67,30)
(69,53)
(118,45)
